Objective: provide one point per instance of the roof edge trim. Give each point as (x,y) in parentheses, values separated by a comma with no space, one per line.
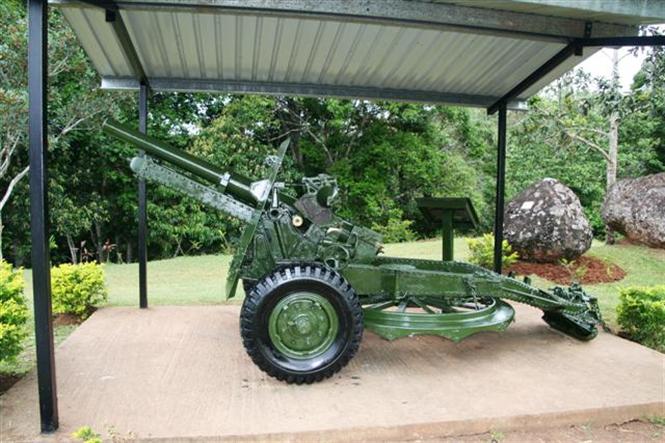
(307,90)
(412,13)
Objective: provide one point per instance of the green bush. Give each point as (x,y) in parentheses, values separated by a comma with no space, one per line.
(77,289)
(13,311)
(87,435)
(482,252)
(396,229)
(641,315)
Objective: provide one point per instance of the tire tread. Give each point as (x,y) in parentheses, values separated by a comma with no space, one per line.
(292,272)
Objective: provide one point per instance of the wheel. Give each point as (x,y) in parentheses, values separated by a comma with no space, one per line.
(302,323)
(247,285)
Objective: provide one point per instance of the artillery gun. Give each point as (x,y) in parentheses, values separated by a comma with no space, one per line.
(313,281)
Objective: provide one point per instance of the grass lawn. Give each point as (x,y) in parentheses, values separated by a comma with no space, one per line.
(200,280)
(644,267)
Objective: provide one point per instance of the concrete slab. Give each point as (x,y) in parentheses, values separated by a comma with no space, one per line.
(181,372)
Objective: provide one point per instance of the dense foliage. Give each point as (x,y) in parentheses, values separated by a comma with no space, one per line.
(77,289)
(641,315)
(385,155)
(13,311)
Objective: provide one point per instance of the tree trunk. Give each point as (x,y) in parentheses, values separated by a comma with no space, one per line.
(611,171)
(128,256)
(613,151)
(97,240)
(118,254)
(8,193)
(612,145)
(295,148)
(1,229)
(72,248)
(178,248)
(18,258)
(290,122)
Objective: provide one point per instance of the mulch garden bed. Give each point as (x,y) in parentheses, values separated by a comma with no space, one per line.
(584,270)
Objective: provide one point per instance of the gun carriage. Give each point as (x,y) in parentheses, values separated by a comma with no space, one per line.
(313,281)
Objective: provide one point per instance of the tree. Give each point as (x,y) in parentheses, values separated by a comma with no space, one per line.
(644,126)
(13,104)
(584,119)
(384,155)
(76,106)
(612,107)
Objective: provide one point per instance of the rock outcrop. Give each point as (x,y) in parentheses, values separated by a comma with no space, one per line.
(546,223)
(636,208)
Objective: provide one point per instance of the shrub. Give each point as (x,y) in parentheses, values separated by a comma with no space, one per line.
(87,435)
(482,252)
(396,229)
(641,315)
(13,311)
(77,288)
(575,270)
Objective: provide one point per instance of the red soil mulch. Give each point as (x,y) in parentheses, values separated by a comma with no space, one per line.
(585,270)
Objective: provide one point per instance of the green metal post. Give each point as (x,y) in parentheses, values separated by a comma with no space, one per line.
(447,236)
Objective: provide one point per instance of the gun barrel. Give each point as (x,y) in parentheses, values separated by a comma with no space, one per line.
(235,185)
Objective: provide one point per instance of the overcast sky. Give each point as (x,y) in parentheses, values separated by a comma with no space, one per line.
(600,65)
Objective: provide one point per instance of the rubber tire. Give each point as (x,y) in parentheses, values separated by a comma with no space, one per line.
(247,286)
(267,292)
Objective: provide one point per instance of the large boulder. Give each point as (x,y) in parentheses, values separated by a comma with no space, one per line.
(636,208)
(546,223)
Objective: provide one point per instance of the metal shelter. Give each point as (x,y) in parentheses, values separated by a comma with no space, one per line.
(492,54)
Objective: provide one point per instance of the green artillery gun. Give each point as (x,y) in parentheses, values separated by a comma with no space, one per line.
(313,281)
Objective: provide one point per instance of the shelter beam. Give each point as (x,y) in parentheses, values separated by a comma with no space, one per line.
(547,67)
(573,48)
(310,90)
(642,40)
(427,14)
(118,24)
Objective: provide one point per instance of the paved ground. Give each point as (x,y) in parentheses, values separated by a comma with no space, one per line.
(182,372)
(633,431)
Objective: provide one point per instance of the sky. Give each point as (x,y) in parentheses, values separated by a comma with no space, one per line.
(600,65)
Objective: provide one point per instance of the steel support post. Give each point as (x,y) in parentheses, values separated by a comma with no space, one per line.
(142,203)
(500,187)
(448,242)
(39,219)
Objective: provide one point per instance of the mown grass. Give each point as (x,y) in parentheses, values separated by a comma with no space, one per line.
(200,280)
(178,281)
(644,267)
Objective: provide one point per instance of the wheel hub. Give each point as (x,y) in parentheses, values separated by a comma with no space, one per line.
(303,325)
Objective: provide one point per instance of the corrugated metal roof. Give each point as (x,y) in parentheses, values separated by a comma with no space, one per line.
(227,49)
